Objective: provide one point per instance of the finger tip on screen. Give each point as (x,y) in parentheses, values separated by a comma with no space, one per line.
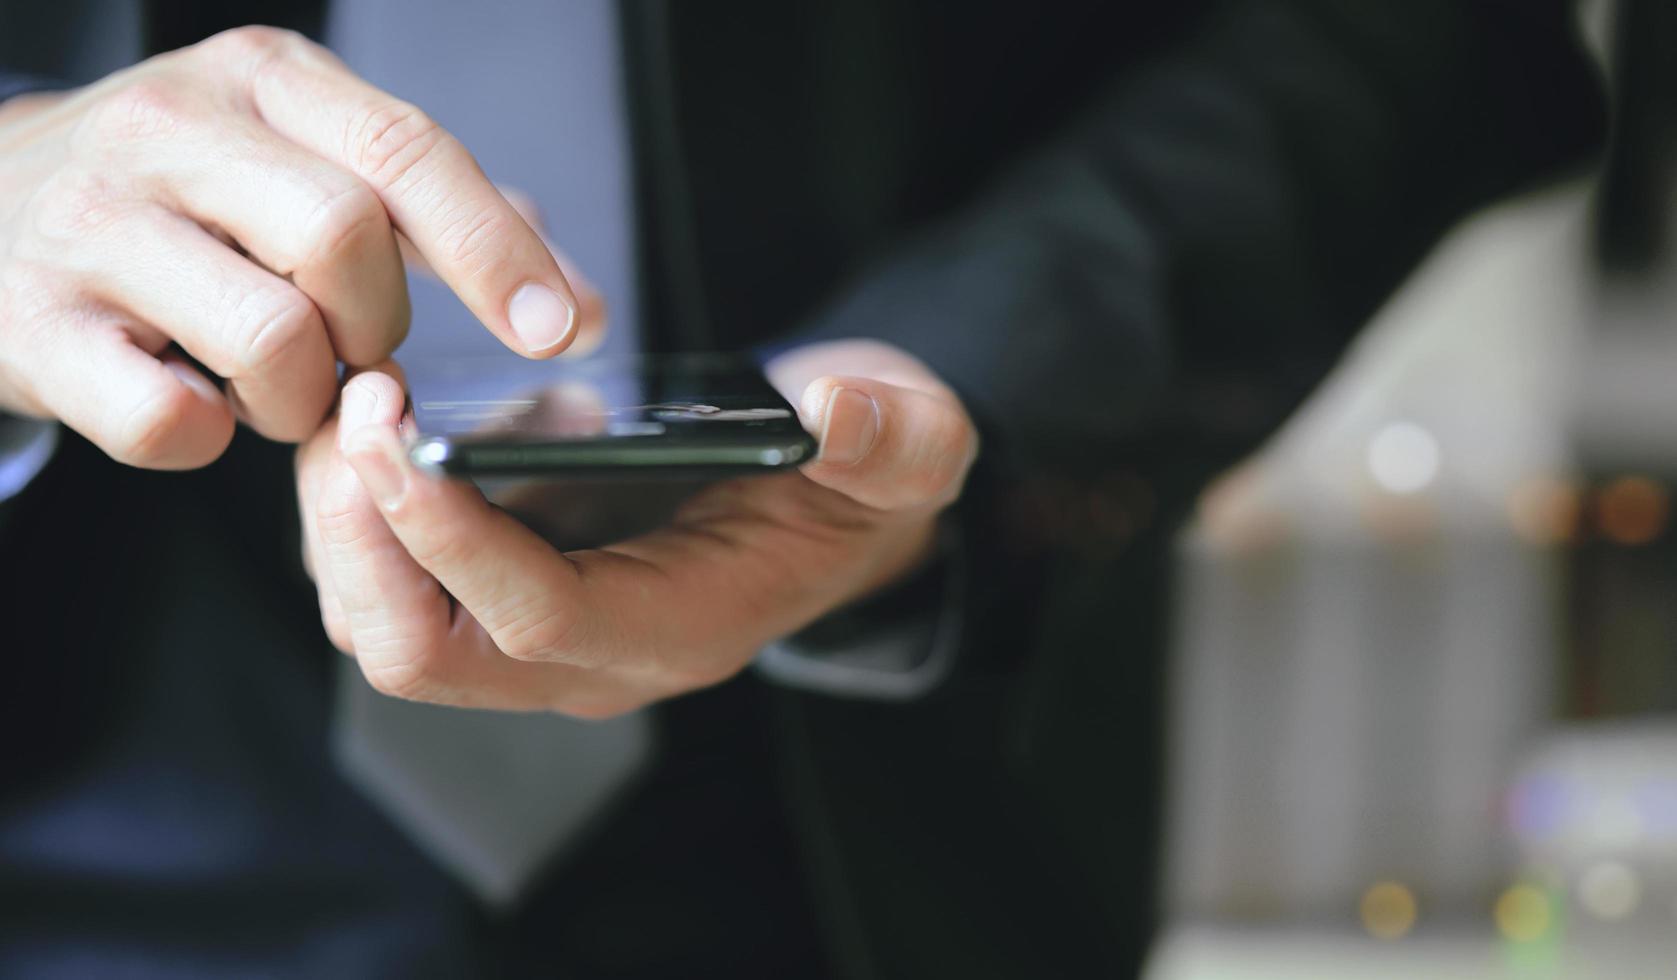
(543,319)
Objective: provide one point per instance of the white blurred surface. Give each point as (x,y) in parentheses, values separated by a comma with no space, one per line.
(1210,953)
(1365,643)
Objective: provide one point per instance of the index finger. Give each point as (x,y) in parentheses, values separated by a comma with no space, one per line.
(435,192)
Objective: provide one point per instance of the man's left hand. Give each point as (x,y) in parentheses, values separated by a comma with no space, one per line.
(443,597)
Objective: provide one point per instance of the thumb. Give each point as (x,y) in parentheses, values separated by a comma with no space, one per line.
(887,446)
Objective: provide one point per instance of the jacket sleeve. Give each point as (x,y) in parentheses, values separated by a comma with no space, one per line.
(14,83)
(25,444)
(1155,291)
(1198,248)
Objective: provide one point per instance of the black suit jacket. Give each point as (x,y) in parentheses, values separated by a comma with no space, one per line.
(1132,238)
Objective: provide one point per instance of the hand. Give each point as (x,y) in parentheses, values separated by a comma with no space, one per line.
(241,199)
(442,597)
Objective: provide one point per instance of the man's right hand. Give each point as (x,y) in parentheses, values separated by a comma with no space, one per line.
(240,199)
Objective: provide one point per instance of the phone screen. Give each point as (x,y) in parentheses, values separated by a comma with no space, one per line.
(508,414)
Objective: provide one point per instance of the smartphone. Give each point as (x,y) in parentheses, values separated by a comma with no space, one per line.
(676,415)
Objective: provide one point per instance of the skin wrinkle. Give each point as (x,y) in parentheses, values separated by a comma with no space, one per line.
(325,233)
(470,238)
(372,150)
(535,632)
(93,179)
(680,608)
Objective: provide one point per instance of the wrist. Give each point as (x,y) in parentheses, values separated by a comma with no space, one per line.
(894,645)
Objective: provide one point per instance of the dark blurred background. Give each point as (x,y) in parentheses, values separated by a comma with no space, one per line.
(1414,710)
(1423,680)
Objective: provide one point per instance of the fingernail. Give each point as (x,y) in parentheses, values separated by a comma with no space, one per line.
(852,422)
(384,477)
(540,317)
(355,411)
(200,385)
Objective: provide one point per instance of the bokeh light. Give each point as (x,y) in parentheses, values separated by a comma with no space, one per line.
(1524,913)
(1238,515)
(1615,822)
(1403,457)
(1609,890)
(1539,806)
(1388,910)
(1545,511)
(1632,510)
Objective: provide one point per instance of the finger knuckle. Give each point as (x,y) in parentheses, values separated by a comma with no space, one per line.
(250,43)
(343,217)
(537,635)
(272,324)
(407,681)
(76,204)
(391,140)
(147,108)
